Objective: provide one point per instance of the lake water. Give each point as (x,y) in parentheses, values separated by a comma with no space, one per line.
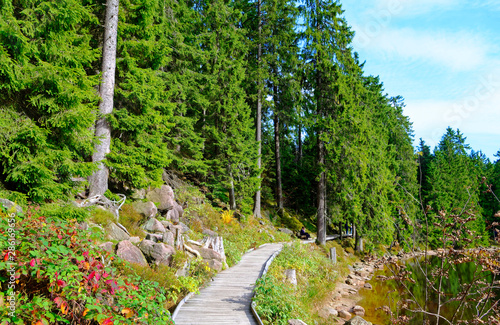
(388,293)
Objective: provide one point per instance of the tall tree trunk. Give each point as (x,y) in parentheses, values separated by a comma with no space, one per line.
(232,196)
(321,193)
(258,121)
(277,155)
(299,150)
(99,180)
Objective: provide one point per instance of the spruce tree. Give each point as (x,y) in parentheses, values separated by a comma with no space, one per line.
(47,96)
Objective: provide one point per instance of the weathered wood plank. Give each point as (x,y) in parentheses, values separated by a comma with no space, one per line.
(227,299)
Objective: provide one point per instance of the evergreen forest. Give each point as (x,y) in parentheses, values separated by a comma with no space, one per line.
(262,104)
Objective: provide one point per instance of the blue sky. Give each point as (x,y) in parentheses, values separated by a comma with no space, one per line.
(442,56)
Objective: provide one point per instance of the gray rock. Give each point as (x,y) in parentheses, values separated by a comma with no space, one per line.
(83,226)
(138,194)
(146,246)
(154,237)
(162,254)
(116,233)
(154,226)
(173,216)
(345,314)
(168,238)
(214,259)
(146,209)
(291,276)
(358,311)
(127,251)
(163,196)
(209,232)
(166,224)
(326,312)
(368,286)
(11,206)
(157,253)
(296,322)
(286,231)
(356,320)
(182,228)
(179,209)
(134,240)
(107,246)
(215,265)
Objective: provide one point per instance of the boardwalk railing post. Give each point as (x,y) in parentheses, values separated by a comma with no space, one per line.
(333,255)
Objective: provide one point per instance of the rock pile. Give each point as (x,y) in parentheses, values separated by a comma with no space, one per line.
(164,234)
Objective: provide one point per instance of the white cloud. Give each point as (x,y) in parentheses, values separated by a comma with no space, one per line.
(460,51)
(476,114)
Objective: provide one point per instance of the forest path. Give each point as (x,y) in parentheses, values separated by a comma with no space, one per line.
(228,297)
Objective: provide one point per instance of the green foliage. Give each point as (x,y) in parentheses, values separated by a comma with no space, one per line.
(274,301)
(277,301)
(102,217)
(289,221)
(64,211)
(47,98)
(63,278)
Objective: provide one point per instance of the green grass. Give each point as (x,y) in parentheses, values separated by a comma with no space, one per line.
(278,301)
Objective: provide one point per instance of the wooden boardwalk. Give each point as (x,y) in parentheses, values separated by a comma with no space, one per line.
(227,299)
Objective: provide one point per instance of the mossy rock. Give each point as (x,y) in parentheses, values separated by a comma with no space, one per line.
(290,222)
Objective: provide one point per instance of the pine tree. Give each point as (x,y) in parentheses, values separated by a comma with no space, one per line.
(229,139)
(454,184)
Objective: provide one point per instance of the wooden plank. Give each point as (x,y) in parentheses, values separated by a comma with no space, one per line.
(227,299)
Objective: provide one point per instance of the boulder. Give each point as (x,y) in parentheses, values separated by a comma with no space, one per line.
(168,238)
(326,312)
(11,206)
(345,314)
(214,259)
(116,233)
(296,322)
(134,240)
(146,209)
(368,286)
(138,194)
(181,227)
(173,216)
(163,196)
(162,254)
(107,246)
(154,226)
(358,311)
(157,253)
(154,237)
(356,320)
(127,251)
(179,209)
(286,231)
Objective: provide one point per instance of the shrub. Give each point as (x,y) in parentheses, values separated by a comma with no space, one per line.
(61,277)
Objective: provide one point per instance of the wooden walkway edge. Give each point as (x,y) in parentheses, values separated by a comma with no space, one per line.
(228,298)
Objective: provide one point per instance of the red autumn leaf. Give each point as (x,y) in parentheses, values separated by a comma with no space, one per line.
(58,301)
(32,263)
(61,283)
(108,321)
(91,275)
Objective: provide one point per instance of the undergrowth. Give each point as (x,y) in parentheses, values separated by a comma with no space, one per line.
(277,300)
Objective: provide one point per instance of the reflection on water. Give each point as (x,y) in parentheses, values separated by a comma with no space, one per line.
(388,293)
